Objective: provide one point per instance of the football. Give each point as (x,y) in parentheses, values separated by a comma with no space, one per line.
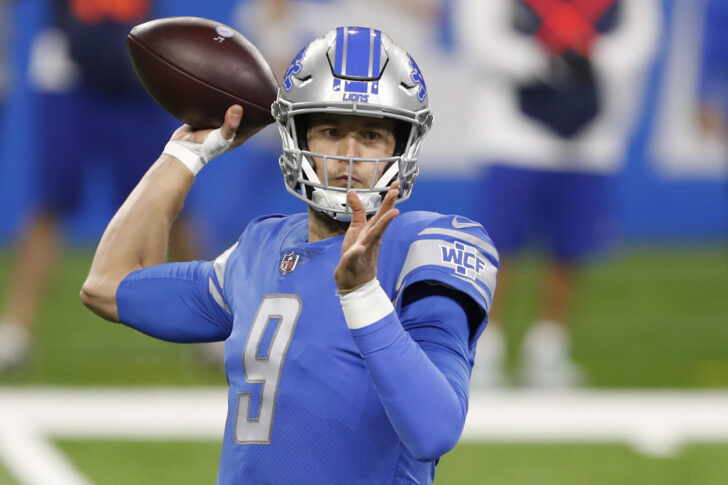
(196,68)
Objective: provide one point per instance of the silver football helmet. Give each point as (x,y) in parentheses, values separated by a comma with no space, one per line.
(357,71)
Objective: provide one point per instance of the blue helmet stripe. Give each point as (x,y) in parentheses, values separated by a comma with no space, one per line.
(376,53)
(339,51)
(358,52)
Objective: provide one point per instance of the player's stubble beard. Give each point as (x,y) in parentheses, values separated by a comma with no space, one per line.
(332,225)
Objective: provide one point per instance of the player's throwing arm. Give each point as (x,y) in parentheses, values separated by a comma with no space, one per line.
(137,236)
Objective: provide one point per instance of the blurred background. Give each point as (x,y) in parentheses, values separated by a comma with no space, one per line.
(614,112)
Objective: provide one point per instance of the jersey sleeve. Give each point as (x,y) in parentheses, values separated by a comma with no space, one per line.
(452,251)
(418,362)
(178,302)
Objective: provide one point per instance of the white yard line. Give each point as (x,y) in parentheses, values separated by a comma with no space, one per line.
(121,413)
(655,422)
(31,458)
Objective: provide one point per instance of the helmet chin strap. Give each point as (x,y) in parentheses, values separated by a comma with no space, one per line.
(388,175)
(332,199)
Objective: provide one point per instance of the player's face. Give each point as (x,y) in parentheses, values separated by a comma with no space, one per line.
(350,136)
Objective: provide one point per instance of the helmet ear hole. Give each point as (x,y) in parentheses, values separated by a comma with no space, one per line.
(401,136)
(302,123)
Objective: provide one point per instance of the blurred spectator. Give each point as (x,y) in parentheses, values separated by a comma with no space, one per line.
(556,84)
(714,80)
(81,73)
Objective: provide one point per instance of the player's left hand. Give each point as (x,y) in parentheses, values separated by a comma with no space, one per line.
(360,250)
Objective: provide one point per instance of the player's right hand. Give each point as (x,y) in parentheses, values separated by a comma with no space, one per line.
(195,148)
(233,117)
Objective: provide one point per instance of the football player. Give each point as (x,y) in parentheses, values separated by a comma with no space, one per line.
(349,329)
(557,86)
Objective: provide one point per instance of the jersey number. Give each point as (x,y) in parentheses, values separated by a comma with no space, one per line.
(263,366)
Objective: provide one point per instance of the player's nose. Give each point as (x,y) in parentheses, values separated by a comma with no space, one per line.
(350,145)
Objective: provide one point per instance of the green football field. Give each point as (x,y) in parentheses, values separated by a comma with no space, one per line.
(649,318)
(153,463)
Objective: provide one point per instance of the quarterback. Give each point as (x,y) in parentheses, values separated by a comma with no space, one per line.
(349,329)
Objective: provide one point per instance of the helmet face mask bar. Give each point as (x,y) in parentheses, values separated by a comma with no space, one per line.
(351,71)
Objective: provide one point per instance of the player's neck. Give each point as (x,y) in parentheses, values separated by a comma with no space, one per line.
(321,226)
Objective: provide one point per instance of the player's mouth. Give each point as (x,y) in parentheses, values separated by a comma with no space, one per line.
(343,180)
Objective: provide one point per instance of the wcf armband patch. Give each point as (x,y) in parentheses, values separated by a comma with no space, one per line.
(463,258)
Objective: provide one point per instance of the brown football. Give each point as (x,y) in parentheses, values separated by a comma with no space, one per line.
(196,68)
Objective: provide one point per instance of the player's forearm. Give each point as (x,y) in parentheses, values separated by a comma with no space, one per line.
(138,234)
(423,407)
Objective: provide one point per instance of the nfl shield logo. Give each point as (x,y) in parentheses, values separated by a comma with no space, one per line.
(289,262)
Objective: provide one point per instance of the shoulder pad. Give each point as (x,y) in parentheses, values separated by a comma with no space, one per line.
(452,250)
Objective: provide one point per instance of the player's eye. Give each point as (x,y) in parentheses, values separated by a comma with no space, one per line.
(373,135)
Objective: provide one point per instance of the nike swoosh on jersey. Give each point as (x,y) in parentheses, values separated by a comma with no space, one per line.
(462,225)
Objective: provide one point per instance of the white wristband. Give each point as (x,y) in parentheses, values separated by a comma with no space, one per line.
(365,305)
(194,156)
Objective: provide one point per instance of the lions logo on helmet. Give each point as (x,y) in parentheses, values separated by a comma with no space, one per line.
(293,69)
(357,71)
(418,79)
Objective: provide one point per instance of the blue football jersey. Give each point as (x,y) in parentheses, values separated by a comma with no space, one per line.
(301,406)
